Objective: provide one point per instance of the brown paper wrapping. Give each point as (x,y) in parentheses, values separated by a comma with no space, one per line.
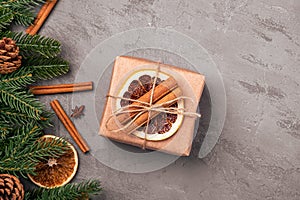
(180,143)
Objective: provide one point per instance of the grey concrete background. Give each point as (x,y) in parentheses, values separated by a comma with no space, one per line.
(256,46)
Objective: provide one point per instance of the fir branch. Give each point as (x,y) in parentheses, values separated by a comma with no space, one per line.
(21,101)
(45,120)
(35,45)
(23,16)
(6,17)
(44,68)
(68,192)
(21,11)
(5,129)
(22,152)
(27,3)
(19,78)
(17,119)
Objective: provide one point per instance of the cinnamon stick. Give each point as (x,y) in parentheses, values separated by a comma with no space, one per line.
(69,126)
(159,91)
(38,16)
(61,88)
(142,119)
(41,17)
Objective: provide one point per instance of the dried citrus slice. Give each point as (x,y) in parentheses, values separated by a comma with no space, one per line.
(163,125)
(56,172)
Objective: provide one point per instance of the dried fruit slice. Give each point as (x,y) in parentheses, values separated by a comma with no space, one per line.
(163,125)
(56,172)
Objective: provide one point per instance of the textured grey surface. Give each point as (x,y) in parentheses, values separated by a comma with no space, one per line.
(256,46)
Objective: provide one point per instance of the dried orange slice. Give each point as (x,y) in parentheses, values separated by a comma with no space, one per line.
(163,125)
(56,172)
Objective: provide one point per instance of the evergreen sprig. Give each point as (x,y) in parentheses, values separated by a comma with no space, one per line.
(5,129)
(25,3)
(68,192)
(21,101)
(6,17)
(44,68)
(34,45)
(18,11)
(22,152)
(17,79)
(16,119)
(23,16)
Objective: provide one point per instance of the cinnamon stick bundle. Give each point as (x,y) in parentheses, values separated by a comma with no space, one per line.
(69,126)
(61,88)
(41,17)
(159,91)
(142,119)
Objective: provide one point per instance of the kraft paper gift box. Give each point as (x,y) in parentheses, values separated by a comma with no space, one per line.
(191,85)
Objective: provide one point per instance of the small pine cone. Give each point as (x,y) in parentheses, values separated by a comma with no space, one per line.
(10,188)
(9,56)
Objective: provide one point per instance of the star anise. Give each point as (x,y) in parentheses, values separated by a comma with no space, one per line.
(77,111)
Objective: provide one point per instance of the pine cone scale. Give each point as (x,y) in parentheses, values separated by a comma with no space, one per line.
(1,182)
(14,197)
(2,51)
(5,58)
(9,183)
(16,192)
(7,191)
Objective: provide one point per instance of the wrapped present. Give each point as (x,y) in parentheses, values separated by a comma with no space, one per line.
(152,105)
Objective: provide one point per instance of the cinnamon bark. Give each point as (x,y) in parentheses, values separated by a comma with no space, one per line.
(142,119)
(61,88)
(41,17)
(159,91)
(69,126)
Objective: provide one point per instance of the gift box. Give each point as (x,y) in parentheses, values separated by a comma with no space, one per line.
(152,105)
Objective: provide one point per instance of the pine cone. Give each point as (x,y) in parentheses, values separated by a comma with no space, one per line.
(9,56)
(10,188)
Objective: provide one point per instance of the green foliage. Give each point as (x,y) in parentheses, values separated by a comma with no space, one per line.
(4,129)
(18,11)
(22,116)
(35,45)
(16,119)
(18,3)
(21,101)
(44,68)
(22,152)
(6,17)
(19,78)
(67,192)
(23,16)
(33,69)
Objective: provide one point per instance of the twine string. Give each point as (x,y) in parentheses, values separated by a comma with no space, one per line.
(150,104)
